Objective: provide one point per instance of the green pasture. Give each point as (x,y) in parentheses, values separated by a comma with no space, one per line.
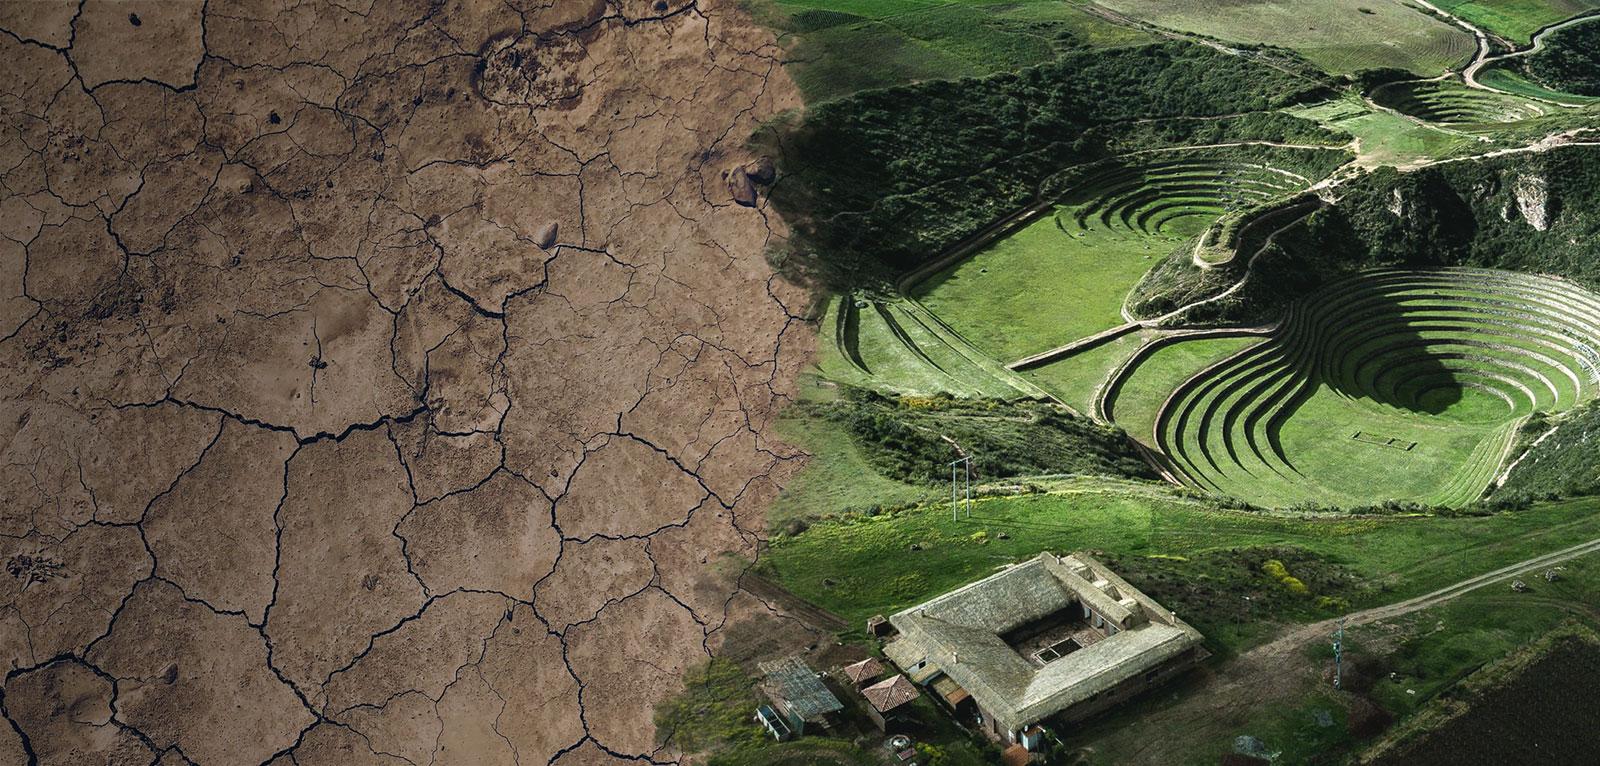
(1512,80)
(1148,383)
(1515,20)
(1427,374)
(1385,138)
(1341,36)
(1077,378)
(837,477)
(839,47)
(897,346)
(862,565)
(1041,287)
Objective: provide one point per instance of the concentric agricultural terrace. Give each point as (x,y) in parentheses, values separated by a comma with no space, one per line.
(1387,385)
(1171,196)
(1452,103)
(962,321)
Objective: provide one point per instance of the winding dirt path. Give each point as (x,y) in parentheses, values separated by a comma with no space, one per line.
(1484,58)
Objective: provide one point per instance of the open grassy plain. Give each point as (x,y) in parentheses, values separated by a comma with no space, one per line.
(862,565)
(843,46)
(1341,36)
(1515,20)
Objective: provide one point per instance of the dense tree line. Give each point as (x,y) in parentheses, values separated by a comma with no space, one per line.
(1570,60)
(878,182)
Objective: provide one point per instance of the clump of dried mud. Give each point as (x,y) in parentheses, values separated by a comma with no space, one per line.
(384,383)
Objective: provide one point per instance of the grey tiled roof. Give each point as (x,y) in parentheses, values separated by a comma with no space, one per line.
(959,633)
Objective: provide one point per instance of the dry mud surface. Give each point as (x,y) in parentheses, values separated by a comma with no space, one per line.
(383,382)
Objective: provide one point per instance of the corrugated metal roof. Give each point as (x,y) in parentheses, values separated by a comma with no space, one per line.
(797,685)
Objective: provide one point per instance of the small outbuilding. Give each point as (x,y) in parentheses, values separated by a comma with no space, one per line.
(863,672)
(798,696)
(888,701)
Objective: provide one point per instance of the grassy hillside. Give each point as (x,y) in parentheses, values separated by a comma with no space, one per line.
(1565,463)
(880,181)
(1515,20)
(1341,36)
(861,565)
(913,439)
(838,47)
(1570,60)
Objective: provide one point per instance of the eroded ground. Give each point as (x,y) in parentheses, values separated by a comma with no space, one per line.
(384,382)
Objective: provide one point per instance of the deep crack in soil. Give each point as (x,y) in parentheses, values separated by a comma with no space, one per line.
(386,382)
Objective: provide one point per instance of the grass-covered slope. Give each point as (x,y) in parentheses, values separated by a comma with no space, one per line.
(1515,20)
(1425,374)
(882,181)
(1342,36)
(1530,212)
(838,47)
(1569,60)
(1564,462)
(913,439)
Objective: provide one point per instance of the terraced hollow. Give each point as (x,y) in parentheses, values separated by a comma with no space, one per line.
(1159,197)
(1388,385)
(1451,103)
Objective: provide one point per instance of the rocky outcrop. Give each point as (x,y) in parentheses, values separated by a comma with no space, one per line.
(1532,193)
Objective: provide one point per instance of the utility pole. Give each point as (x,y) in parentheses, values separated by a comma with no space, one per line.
(1338,653)
(955,503)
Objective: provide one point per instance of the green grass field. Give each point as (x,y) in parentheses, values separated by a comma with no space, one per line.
(1425,373)
(860,566)
(1515,20)
(1385,138)
(1042,287)
(842,46)
(838,477)
(1341,36)
(1065,275)
(1077,379)
(1453,103)
(1511,80)
(1148,383)
(897,346)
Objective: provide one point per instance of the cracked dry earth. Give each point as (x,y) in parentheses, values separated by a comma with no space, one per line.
(384,382)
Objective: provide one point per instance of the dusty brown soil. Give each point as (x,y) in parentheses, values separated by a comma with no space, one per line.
(383,382)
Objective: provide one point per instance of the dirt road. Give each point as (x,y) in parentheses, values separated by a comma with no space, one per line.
(1275,671)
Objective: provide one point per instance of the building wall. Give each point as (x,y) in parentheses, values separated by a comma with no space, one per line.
(1132,687)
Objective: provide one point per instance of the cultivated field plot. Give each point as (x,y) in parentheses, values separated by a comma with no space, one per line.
(1341,36)
(1543,707)
(1447,362)
(1515,20)
(842,46)
(1065,275)
(1452,103)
